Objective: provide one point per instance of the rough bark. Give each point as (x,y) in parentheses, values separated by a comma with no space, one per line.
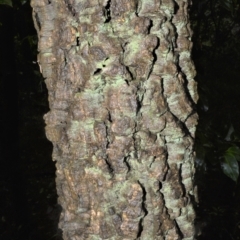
(121,120)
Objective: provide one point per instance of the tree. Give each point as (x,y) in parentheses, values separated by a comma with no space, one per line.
(122,115)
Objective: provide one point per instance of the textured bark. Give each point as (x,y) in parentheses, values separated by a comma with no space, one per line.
(121,120)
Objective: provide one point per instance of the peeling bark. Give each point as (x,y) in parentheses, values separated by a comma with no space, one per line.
(122,119)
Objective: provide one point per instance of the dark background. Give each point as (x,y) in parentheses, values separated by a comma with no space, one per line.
(28,199)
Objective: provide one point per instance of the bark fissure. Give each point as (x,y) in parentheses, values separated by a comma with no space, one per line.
(184,81)
(130,73)
(149,31)
(108,142)
(179,231)
(144,208)
(77,42)
(107,11)
(125,160)
(111,170)
(97,71)
(153,52)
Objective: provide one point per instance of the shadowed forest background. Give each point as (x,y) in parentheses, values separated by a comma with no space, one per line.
(28,197)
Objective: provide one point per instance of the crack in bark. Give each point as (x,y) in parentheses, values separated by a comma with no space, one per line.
(153,160)
(137,5)
(110,168)
(167,165)
(77,41)
(178,229)
(186,89)
(144,208)
(181,181)
(176,6)
(109,116)
(97,71)
(182,125)
(154,57)
(125,160)
(129,71)
(107,12)
(139,103)
(149,28)
(122,61)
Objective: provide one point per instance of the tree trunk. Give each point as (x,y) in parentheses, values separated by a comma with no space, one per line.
(122,118)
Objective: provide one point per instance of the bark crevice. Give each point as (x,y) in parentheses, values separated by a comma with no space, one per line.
(145,211)
(107,12)
(153,53)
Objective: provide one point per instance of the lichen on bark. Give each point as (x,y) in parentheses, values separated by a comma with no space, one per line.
(122,120)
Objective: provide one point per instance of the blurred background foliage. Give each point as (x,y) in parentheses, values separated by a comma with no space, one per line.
(216,53)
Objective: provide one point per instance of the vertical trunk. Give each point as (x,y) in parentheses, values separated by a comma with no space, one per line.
(121,120)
